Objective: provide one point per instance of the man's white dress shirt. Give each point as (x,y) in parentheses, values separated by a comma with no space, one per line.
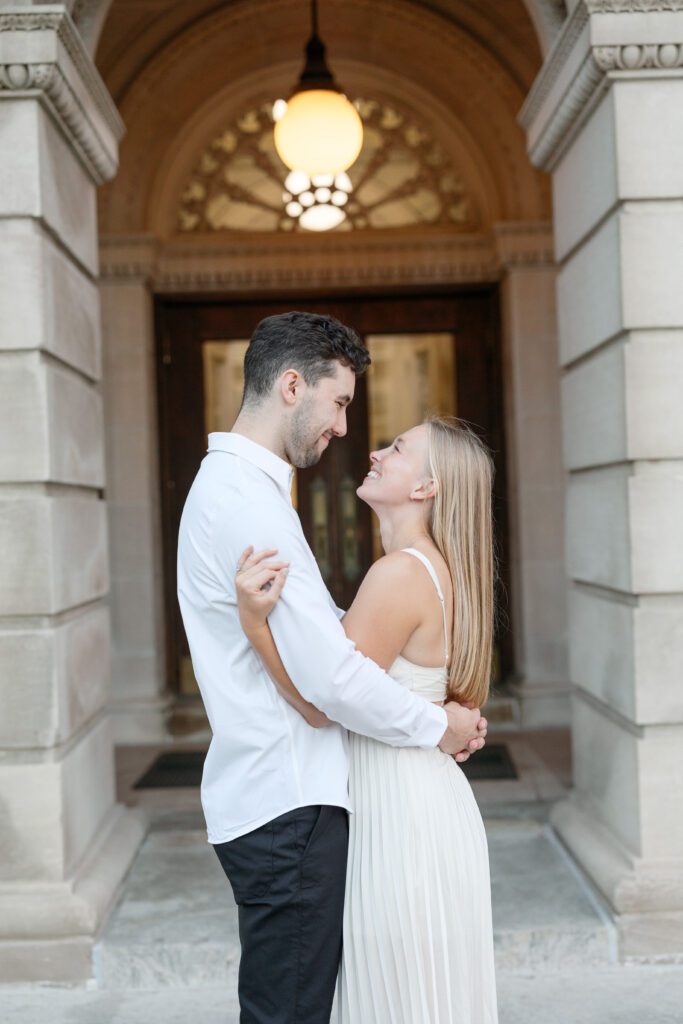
(264,759)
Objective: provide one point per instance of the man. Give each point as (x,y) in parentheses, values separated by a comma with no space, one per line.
(274,789)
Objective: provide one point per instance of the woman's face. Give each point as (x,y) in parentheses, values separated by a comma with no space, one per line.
(396,471)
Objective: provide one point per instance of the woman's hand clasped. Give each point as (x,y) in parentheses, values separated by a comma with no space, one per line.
(258,582)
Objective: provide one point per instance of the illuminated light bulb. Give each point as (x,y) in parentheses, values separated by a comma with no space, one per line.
(294,209)
(297,181)
(279,109)
(307,199)
(321,218)
(319,133)
(339,198)
(322,195)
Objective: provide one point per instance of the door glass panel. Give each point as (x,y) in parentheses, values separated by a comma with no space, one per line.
(411,377)
(348,517)
(223,381)
(319,519)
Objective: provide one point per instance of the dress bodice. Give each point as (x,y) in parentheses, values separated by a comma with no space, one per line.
(429,683)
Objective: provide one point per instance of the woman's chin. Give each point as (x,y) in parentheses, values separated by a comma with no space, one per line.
(364,492)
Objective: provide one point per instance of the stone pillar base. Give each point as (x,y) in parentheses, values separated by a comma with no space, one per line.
(542,705)
(646,896)
(48,929)
(143,721)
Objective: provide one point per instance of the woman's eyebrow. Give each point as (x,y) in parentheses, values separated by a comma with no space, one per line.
(399,440)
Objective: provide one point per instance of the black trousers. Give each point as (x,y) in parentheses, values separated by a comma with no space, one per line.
(288,880)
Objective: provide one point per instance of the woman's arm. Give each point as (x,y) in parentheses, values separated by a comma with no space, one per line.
(261,639)
(258,586)
(383,617)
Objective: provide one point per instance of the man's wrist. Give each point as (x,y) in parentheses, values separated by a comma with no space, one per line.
(440,724)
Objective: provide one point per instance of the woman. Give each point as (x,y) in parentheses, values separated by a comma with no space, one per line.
(418,943)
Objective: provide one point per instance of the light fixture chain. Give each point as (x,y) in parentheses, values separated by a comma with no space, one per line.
(314,17)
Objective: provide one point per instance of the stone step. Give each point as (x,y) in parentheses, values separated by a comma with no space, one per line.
(545,914)
(176,923)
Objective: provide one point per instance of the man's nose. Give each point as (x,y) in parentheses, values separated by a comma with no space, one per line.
(340,424)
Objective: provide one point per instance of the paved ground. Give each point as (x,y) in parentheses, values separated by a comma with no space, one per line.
(617,995)
(169,951)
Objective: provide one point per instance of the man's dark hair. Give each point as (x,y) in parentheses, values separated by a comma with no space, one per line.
(306,342)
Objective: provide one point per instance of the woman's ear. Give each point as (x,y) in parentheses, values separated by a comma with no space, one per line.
(425,490)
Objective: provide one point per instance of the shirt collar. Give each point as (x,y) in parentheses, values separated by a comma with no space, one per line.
(236,444)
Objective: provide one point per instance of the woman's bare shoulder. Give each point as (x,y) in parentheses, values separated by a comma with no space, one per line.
(397,571)
(402,569)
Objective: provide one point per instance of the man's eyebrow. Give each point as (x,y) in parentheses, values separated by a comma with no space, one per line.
(399,440)
(344,398)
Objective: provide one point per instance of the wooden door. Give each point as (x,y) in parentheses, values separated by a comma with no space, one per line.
(338,527)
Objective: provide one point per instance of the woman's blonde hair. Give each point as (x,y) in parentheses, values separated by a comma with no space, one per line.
(461,525)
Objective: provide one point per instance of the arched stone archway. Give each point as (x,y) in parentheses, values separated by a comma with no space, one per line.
(424,62)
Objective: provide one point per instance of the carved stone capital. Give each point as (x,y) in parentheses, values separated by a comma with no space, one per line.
(43,57)
(128,258)
(632,6)
(524,245)
(633,57)
(601,40)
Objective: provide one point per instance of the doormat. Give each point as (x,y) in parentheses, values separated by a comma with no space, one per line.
(183,768)
(174,770)
(493,762)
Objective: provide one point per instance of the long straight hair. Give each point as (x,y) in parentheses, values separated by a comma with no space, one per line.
(461,525)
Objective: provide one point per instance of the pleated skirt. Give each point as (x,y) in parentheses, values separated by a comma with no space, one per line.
(418,937)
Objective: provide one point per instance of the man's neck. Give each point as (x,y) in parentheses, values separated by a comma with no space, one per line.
(255,427)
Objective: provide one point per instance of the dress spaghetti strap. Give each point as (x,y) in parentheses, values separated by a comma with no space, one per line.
(435,580)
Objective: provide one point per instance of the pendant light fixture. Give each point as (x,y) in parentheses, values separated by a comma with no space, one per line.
(320,131)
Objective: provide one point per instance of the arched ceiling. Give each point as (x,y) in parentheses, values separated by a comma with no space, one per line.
(516,32)
(177,67)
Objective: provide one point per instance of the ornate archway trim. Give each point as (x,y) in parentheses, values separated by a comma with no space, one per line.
(294,264)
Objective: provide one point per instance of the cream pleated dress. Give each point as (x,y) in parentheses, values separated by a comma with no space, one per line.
(418,939)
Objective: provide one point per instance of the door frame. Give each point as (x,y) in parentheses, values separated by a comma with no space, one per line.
(488,292)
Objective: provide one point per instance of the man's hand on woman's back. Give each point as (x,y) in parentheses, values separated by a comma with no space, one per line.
(466,732)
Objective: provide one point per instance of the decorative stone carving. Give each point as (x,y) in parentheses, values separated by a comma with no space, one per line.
(291,262)
(632,6)
(524,245)
(401,178)
(635,58)
(93,127)
(549,124)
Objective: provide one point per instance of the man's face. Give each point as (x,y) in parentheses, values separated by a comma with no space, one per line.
(319,416)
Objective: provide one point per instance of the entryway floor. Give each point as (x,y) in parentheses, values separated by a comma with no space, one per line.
(617,995)
(169,950)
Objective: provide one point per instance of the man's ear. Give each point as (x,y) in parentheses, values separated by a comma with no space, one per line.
(425,490)
(291,383)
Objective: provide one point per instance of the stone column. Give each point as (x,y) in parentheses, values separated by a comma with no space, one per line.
(605,117)
(139,703)
(536,478)
(65,842)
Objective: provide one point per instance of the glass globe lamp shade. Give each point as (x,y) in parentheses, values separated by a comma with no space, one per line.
(319,133)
